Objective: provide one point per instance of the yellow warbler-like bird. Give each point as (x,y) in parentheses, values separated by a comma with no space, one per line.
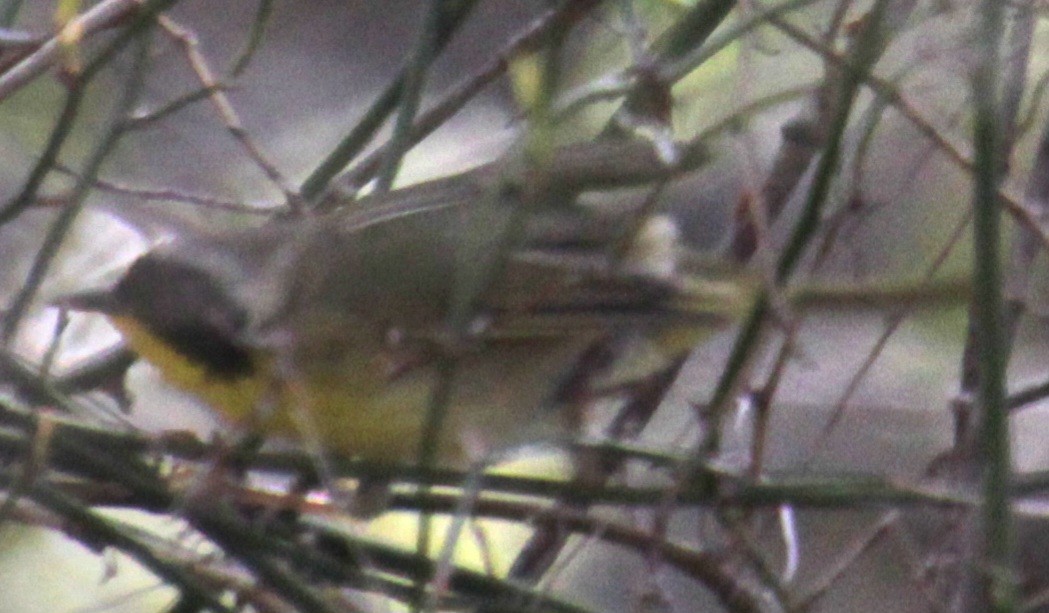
(333,326)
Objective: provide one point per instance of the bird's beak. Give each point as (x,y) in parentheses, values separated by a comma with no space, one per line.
(90,301)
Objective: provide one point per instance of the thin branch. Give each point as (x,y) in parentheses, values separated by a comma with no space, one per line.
(64,222)
(350,146)
(453,101)
(102,16)
(999,593)
(851,552)
(254,40)
(423,54)
(173,195)
(894,320)
(98,529)
(884,89)
(188,41)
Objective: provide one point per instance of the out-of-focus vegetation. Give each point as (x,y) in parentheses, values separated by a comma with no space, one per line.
(841,448)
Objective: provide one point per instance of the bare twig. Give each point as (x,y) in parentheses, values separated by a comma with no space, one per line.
(461,93)
(1013,205)
(418,64)
(315,185)
(860,545)
(63,223)
(188,41)
(894,320)
(100,17)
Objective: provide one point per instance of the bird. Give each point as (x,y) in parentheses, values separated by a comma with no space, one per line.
(339,328)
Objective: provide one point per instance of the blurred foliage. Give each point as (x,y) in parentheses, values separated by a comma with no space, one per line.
(823,455)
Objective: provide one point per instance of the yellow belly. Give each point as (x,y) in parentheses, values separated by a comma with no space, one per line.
(350,408)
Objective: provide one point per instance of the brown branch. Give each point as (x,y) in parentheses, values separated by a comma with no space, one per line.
(199,64)
(102,16)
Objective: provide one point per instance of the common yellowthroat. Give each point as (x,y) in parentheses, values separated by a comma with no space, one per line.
(332,326)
